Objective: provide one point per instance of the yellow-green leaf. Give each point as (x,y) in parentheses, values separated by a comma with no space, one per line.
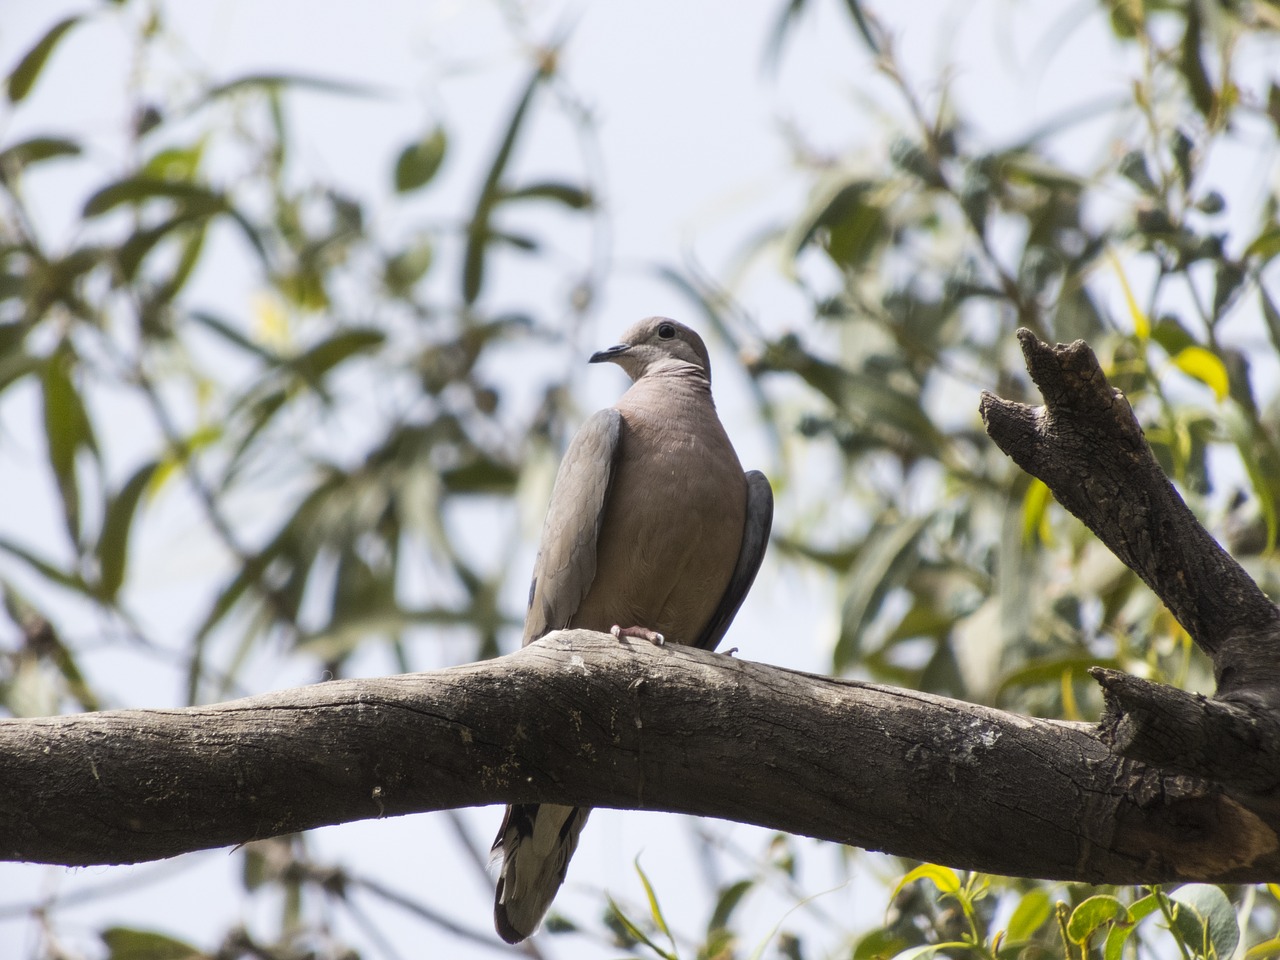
(1093,913)
(1029,915)
(1264,950)
(1141,323)
(944,878)
(1205,366)
(1035,514)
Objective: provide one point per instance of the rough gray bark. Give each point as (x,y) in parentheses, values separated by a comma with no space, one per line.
(1088,448)
(582,718)
(1170,786)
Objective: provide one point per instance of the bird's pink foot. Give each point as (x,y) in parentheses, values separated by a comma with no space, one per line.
(640,633)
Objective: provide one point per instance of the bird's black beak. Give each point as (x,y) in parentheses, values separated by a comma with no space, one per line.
(609,353)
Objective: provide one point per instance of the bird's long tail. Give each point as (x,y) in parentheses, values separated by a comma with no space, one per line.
(534,845)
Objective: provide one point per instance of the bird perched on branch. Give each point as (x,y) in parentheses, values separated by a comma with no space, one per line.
(653,531)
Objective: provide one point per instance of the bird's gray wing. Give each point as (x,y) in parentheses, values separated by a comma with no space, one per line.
(755,537)
(566,562)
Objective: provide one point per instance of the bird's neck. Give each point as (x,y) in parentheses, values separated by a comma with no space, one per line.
(669,392)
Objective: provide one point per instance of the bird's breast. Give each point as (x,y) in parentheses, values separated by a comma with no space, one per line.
(672,527)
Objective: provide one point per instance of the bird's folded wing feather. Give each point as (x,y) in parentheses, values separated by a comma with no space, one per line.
(566,562)
(755,537)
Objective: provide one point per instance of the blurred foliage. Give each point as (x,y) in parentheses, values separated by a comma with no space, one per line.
(961,575)
(339,437)
(107,321)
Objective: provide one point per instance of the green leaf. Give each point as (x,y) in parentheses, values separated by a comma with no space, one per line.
(886,558)
(878,944)
(68,579)
(1192,63)
(573,197)
(1205,366)
(849,225)
(141,242)
(1052,669)
(778,35)
(192,196)
(16,363)
(478,230)
(124,943)
(233,336)
(23,76)
(1093,914)
(1228,277)
(1120,932)
(42,638)
(1032,911)
(1264,489)
(14,159)
(192,240)
(634,932)
(1133,166)
(1265,245)
(1172,335)
(194,201)
(1272,317)
(1182,147)
(922,619)
(420,161)
(1207,920)
(407,267)
(113,544)
(944,878)
(174,163)
(275,82)
(313,364)
(655,910)
(67,431)
(863,24)
(727,902)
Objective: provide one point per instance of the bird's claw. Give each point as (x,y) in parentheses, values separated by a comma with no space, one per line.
(640,633)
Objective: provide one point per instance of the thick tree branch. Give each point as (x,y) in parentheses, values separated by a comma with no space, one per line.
(581,718)
(1088,448)
(1171,786)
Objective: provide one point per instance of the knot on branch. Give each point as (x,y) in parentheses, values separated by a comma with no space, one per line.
(1230,743)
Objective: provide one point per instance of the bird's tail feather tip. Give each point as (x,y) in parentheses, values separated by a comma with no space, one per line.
(518,919)
(502,923)
(534,844)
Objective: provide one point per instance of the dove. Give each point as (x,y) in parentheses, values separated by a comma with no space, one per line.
(653,531)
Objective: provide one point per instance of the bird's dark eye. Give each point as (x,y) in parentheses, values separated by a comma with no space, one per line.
(666,330)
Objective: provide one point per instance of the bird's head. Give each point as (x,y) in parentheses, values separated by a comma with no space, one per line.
(658,345)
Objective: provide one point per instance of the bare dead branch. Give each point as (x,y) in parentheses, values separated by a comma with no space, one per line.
(1088,448)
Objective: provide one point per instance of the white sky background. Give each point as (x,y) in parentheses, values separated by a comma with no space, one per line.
(689,135)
